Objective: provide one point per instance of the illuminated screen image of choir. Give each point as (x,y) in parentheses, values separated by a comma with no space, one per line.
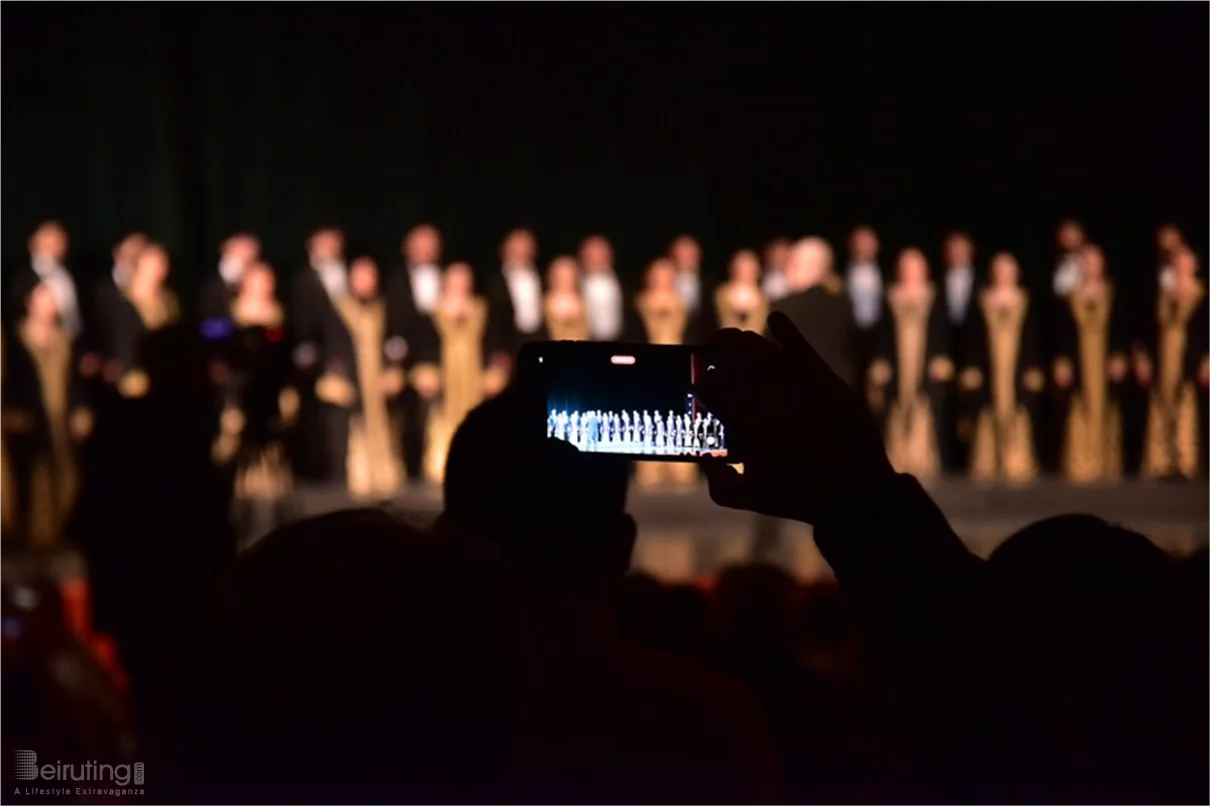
(353,371)
(646,433)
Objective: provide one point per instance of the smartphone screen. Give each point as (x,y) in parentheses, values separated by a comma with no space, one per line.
(627,400)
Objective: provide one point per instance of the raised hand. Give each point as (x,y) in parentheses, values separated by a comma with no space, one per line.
(802,433)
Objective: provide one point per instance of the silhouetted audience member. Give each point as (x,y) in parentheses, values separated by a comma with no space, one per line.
(348,659)
(1048,674)
(1121,661)
(154,526)
(605,720)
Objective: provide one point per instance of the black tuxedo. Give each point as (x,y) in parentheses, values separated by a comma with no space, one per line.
(313,323)
(824,316)
(214,297)
(502,316)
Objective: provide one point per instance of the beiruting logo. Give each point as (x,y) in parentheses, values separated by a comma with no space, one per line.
(26,768)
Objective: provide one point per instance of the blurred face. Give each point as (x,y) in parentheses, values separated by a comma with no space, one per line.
(686,253)
(661,276)
(50,241)
(258,283)
(959,251)
(864,244)
(423,245)
(327,244)
(596,254)
(1184,264)
(42,306)
(564,275)
(1092,264)
(457,281)
(126,252)
(519,247)
(1168,239)
(242,250)
(1071,236)
(776,254)
(151,267)
(1004,271)
(913,270)
(363,278)
(745,268)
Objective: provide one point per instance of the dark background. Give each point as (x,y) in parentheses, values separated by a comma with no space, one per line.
(733,122)
(659,380)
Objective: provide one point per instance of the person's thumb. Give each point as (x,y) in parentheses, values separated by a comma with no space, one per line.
(727,486)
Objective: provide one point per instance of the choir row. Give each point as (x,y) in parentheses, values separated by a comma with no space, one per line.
(611,432)
(361,376)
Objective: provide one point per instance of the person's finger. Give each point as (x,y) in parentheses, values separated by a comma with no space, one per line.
(727,486)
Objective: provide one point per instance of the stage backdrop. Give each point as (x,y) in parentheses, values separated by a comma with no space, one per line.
(735,123)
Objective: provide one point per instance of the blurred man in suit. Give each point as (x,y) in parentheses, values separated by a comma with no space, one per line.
(412,292)
(514,294)
(604,301)
(818,307)
(236,254)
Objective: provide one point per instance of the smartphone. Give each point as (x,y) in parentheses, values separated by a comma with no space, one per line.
(632,400)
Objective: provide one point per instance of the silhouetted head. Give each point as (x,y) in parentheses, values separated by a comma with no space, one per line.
(755,610)
(348,657)
(557,517)
(1119,678)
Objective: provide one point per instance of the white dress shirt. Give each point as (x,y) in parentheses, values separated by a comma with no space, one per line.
(525,289)
(959,283)
(689,289)
(1067,276)
(63,289)
(775,285)
(231,271)
(603,305)
(425,279)
(121,274)
(865,290)
(334,278)
(1167,278)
